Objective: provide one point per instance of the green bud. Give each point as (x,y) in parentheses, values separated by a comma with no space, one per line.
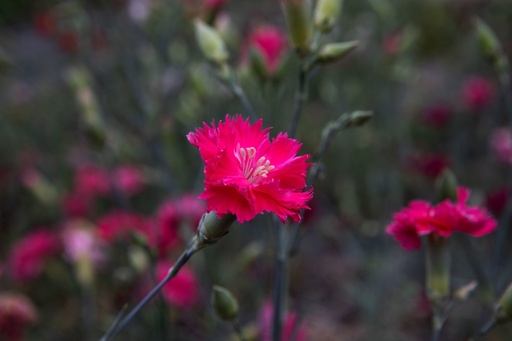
(504,306)
(297,14)
(326,13)
(446,186)
(489,45)
(212,228)
(210,43)
(333,52)
(224,303)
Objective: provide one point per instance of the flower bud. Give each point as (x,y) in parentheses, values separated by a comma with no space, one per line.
(504,306)
(224,303)
(335,51)
(489,45)
(297,14)
(212,228)
(210,43)
(326,13)
(446,186)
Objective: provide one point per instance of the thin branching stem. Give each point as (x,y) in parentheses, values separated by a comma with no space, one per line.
(185,256)
(300,98)
(237,90)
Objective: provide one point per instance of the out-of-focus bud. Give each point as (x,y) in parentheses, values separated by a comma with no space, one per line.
(81,84)
(491,48)
(297,14)
(446,186)
(212,228)
(333,52)
(504,306)
(40,187)
(224,303)
(326,13)
(210,43)
(487,41)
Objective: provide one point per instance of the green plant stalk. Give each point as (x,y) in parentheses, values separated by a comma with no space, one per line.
(280,280)
(182,260)
(239,331)
(240,94)
(438,280)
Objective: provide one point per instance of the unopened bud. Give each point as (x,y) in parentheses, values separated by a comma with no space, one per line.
(211,43)
(504,306)
(446,186)
(335,51)
(489,45)
(297,14)
(326,13)
(224,303)
(212,228)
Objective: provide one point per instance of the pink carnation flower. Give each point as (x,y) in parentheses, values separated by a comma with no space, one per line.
(477,92)
(80,242)
(120,224)
(247,174)
(501,144)
(421,218)
(27,256)
(270,43)
(291,328)
(92,180)
(16,313)
(183,290)
(128,179)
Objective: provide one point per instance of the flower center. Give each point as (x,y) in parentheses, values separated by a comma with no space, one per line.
(253,170)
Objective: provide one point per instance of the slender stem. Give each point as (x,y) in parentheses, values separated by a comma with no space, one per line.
(239,331)
(299,101)
(280,280)
(474,261)
(487,327)
(185,256)
(240,94)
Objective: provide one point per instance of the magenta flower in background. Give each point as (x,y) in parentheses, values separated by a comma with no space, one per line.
(120,224)
(185,209)
(76,205)
(496,200)
(430,165)
(17,313)
(214,5)
(292,330)
(80,241)
(501,144)
(422,218)
(437,115)
(247,174)
(92,180)
(129,179)
(28,255)
(270,43)
(477,92)
(183,290)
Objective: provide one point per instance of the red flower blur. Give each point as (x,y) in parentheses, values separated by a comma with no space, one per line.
(247,174)
(128,179)
(27,255)
(501,144)
(292,330)
(270,43)
(16,313)
(183,290)
(120,224)
(422,218)
(477,92)
(437,115)
(92,180)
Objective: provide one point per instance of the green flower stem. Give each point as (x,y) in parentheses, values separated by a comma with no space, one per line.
(300,98)
(280,280)
(239,331)
(237,90)
(438,280)
(185,256)
(504,221)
